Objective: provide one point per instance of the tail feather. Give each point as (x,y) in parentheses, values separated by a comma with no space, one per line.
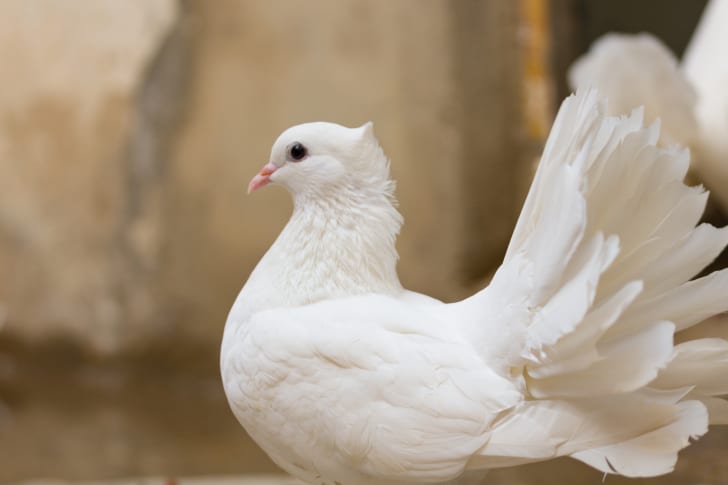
(624,364)
(701,363)
(684,259)
(568,306)
(684,305)
(596,281)
(578,350)
(717,408)
(548,428)
(654,231)
(653,453)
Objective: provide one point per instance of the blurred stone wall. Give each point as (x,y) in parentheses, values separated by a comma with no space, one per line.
(70,76)
(129,130)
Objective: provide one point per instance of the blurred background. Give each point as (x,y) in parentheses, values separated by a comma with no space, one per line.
(129,130)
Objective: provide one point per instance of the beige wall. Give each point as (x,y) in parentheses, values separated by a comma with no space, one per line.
(69,76)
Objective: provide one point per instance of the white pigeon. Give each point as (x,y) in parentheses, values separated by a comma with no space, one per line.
(639,70)
(690,97)
(344,377)
(705,64)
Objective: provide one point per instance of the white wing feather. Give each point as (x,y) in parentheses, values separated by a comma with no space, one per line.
(380,384)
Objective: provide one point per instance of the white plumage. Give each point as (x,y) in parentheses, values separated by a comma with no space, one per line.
(342,376)
(706,67)
(639,70)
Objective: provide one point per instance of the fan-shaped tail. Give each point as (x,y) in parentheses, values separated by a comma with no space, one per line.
(595,283)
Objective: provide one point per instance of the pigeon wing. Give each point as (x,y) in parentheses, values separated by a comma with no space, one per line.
(380,385)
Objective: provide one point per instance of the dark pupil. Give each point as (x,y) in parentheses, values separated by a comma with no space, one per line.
(298,151)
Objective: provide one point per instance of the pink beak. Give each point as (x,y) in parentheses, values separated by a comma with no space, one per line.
(263,177)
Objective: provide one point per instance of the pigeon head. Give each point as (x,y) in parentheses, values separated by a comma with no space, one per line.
(324,158)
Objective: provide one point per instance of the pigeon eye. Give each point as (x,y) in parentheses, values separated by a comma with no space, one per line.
(297,152)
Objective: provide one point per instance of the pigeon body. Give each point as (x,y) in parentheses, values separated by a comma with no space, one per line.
(342,376)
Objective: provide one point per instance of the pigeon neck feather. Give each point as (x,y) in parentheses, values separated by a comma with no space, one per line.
(337,244)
